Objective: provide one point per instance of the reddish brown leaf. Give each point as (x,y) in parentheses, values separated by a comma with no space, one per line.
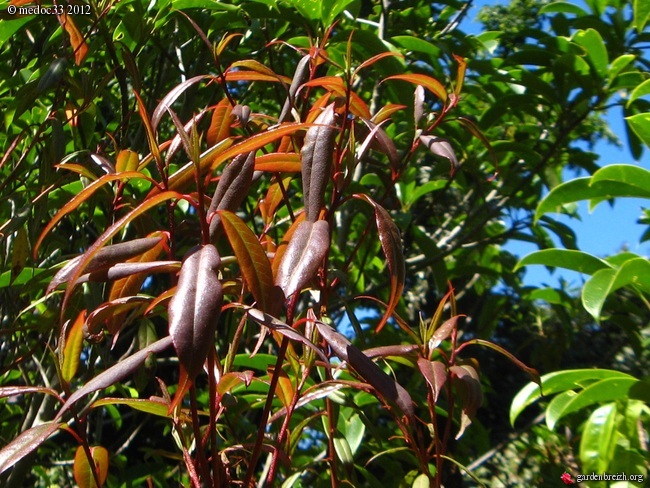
(336,85)
(104,258)
(468,387)
(115,373)
(531,372)
(246,75)
(284,389)
(77,41)
(229,380)
(223,43)
(391,243)
(149,130)
(300,76)
(386,386)
(9,391)
(460,76)
(316,154)
(303,256)
(123,270)
(441,147)
(443,332)
(374,59)
(171,97)
(252,260)
(25,443)
(92,328)
(232,188)
(282,247)
(195,308)
(427,82)
(269,204)
(435,373)
(386,111)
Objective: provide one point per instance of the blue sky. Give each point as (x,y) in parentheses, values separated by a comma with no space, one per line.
(607,229)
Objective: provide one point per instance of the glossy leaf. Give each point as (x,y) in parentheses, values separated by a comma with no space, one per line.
(72,348)
(597,441)
(391,243)
(640,124)
(431,84)
(595,49)
(435,373)
(153,405)
(441,147)
(219,129)
(278,163)
(300,76)
(229,380)
(195,308)
(9,391)
(115,373)
(171,97)
(105,312)
(83,471)
(606,390)
(316,155)
(606,281)
(388,388)
(251,258)
(468,387)
(564,258)
(303,256)
(558,382)
(25,443)
(127,160)
(104,258)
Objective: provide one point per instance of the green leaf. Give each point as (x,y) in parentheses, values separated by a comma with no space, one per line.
(597,442)
(606,281)
(641,14)
(606,390)
(415,44)
(558,382)
(562,8)
(83,472)
(153,405)
(640,91)
(634,176)
(591,41)
(618,65)
(583,189)
(640,124)
(579,261)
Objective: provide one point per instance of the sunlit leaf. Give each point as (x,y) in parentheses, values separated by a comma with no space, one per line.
(25,443)
(431,84)
(77,41)
(83,471)
(72,349)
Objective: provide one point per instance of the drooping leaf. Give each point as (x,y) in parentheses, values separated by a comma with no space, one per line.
(640,124)
(25,443)
(105,312)
(195,308)
(80,198)
(391,243)
(468,387)
(606,281)
(316,155)
(441,147)
(251,258)
(72,348)
(388,388)
(431,84)
(435,373)
(232,188)
(596,443)
(300,76)
(303,256)
(77,41)
(171,97)
(579,261)
(115,373)
(560,381)
(83,471)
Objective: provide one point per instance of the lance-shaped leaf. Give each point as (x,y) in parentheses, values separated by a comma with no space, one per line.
(104,258)
(220,124)
(304,254)
(391,243)
(441,147)
(72,349)
(252,260)
(25,443)
(284,329)
(380,141)
(300,76)
(84,473)
(232,188)
(171,97)
(278,162)
(431,84)
(9,391)
(316,154)
(195,308)
(418,104)
(435,373)
(122,270)
(77,41)
(468,386)
(81,197)
(386,386)
(115,373)
(92,328)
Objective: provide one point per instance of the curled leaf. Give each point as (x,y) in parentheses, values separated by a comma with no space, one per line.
(195,308)
(435,373)
(441,147)
(468,386)
(316,154)
(104,258)
(232,188)
(300,76)
(304,254)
